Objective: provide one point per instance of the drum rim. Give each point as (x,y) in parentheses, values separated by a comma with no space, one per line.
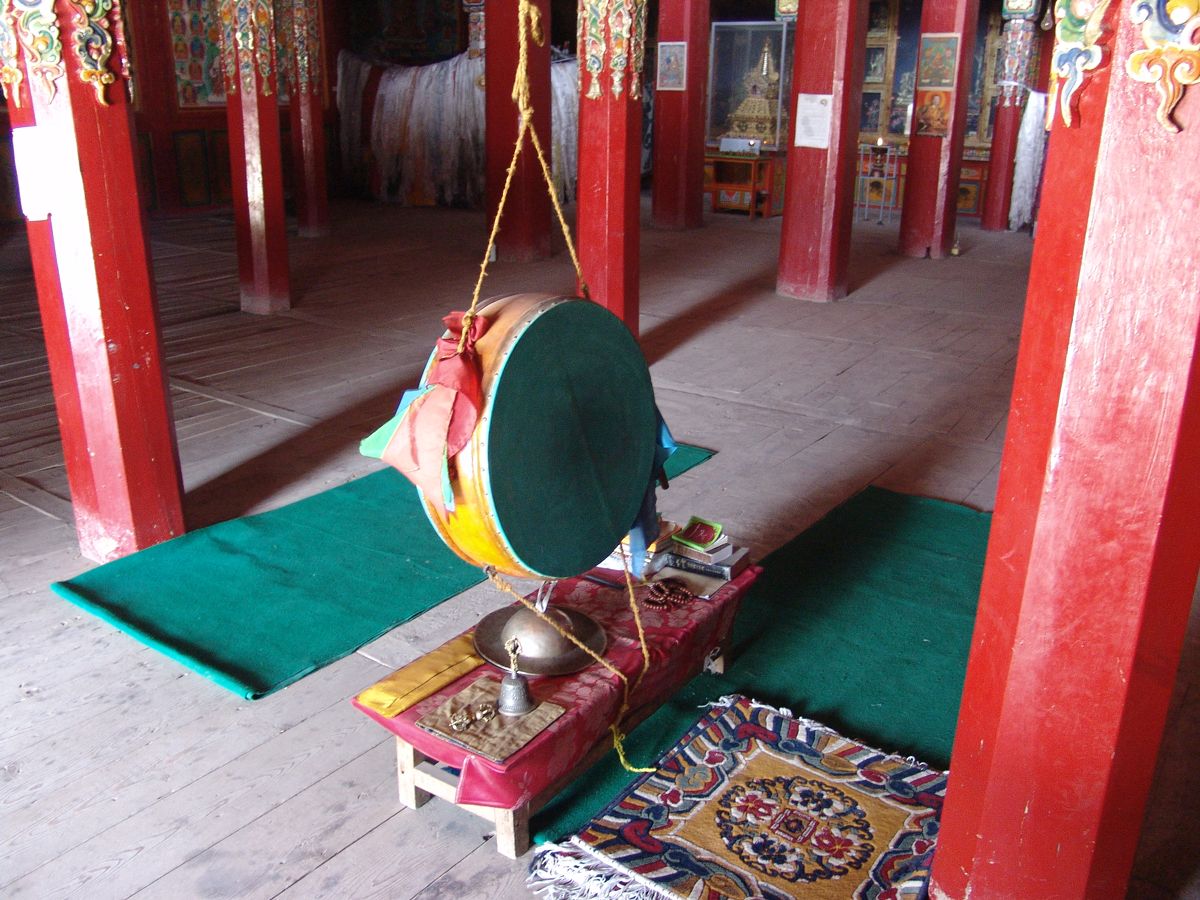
(512,562)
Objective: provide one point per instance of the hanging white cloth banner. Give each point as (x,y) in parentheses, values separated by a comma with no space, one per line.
(426,134)
(1031,153)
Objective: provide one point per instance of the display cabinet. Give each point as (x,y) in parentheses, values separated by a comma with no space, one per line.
(749,82)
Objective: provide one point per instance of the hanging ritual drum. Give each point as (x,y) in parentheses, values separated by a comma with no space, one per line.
(560,459)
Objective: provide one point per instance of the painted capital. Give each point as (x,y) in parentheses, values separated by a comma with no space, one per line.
(1170,60)
(1079,49)
(476,41)
(612,46)
(247,44)
(298,32)
(1016,60)
(99,32)
(33,25)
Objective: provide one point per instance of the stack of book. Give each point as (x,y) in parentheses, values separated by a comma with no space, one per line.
(700,554)
(656,553)
(703,548)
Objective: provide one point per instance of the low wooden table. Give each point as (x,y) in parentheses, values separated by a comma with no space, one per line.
(681,640)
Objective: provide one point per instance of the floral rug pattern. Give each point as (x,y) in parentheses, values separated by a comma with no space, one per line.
(753,802)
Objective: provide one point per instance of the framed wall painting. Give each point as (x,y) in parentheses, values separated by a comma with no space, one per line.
(879,18)
(899,118)
(875,70)
(872,102)
(933,112)
(672,66)
(937,61)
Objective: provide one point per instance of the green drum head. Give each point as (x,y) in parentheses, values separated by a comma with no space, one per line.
(571,437)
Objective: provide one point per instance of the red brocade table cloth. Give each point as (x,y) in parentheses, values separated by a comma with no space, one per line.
(678,638)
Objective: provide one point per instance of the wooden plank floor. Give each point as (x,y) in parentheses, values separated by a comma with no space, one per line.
(123,775)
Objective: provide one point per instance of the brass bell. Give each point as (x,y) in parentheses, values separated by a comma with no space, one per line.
(515,697)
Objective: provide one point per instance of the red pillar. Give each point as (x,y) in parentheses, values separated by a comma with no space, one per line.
(818,213)
(300,38)
(610,147)
(73,142)
(525,230)
(1093,559)
(930,209)
(677,190)
(1020,41)
(248,56)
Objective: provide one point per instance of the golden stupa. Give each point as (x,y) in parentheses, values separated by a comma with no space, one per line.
(755,117)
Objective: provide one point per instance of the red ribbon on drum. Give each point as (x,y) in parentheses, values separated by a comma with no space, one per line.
(435,422)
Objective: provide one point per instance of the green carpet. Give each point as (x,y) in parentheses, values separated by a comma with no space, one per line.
(685,457)
(863,623)
(259,602)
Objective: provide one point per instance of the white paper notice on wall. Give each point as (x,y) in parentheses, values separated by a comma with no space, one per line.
(814,120)
(34,156)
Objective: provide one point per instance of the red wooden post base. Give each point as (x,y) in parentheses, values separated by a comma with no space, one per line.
(818,213)
(930,210)
(73,143)
(255,158)
(308,162)
(998,195)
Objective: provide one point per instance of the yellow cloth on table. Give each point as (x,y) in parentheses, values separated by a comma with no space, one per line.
(422,677)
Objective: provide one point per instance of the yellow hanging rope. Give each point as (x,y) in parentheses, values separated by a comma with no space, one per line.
(529,22)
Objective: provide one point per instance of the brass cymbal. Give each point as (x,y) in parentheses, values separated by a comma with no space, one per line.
(544,651)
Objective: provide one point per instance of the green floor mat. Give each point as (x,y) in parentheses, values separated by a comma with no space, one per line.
(863,623)
(259,602)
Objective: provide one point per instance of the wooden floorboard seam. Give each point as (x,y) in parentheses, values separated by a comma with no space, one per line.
(35,498)
(246,403)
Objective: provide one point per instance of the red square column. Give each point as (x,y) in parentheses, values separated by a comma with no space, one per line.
(930,209)
(73,143)
(1093,557)
(611,56)
(299,30)
(525,229)
(818,212)
(677,190)
(248,57)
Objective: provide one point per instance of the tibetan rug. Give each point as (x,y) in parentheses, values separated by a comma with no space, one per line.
(862,622)
(259,602)
(753,802)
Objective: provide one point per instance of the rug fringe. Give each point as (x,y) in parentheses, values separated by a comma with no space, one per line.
(730,699)
(572,872)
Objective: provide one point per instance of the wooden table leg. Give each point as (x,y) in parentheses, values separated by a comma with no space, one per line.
(407,760)
(512,831)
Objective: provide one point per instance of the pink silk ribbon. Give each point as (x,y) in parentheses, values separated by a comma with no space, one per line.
(440,422)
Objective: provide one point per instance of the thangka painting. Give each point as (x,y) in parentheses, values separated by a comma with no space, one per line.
(879,17)
(672,66)
(933,112)
(196,49)
(937,62)
(875,70)
(870,111)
